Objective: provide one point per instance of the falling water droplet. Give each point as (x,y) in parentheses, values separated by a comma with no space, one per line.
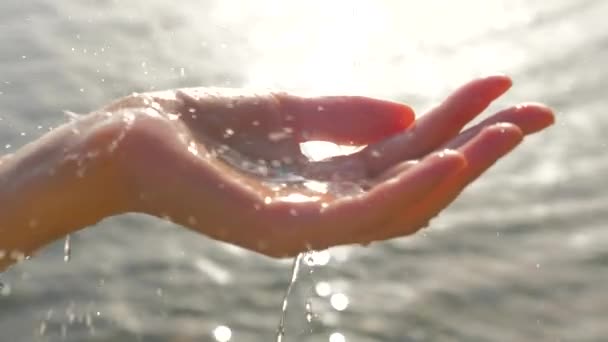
(67,249)
(309,312)
(42,329)
(295,269)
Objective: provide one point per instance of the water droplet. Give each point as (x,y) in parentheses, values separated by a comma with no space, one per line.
(261,170)
(228,133)
(309,312)
(376,154)
(192,148)
(316,186)
(67,249)
(297,198)
(267,200)
(278,136)
(293,212)
(317,258)
(320,108)
(42,329)
(255,123)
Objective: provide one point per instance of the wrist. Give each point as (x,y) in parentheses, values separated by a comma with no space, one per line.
(62,182)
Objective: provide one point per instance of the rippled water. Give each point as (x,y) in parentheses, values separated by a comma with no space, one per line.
(521,256)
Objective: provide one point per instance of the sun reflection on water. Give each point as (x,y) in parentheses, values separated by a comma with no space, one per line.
(368,46)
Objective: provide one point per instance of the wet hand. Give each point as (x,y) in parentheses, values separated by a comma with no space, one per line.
(229,164)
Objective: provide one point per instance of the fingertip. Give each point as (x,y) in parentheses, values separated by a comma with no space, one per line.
(390,117)
(544,116)
(503,133)
(354,120)
(450,158)
(499,84)
(498,78)
(404,115)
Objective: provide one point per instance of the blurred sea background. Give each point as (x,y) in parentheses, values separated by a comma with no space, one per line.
(521,256)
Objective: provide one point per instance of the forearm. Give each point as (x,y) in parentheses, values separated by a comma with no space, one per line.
(53,186)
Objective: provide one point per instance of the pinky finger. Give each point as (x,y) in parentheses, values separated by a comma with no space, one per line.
(358,217)
(483,151)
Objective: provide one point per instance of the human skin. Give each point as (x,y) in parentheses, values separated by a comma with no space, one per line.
(160,154)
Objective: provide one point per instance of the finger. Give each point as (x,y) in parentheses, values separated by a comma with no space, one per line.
(395,170)
(437,126)
(530,118)
(481,152)
(356,217)
(348,120)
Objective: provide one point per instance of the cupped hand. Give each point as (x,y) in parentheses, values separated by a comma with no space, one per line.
(228,163)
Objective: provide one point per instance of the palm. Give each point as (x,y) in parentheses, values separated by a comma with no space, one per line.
(237,143)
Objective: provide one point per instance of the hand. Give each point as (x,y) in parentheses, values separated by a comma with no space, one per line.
(209,160)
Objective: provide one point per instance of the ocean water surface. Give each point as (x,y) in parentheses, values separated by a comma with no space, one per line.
(521,256)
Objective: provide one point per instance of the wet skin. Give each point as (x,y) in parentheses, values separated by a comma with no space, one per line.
(161,154)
